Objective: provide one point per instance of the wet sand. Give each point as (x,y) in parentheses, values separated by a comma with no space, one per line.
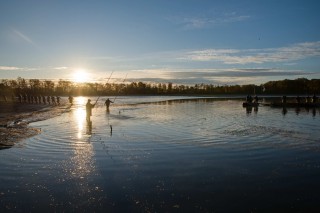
(15,117)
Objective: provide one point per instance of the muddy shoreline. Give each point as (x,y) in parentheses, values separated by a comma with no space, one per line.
(15,117)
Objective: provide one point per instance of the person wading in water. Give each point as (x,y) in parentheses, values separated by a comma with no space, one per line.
(89,107)
(107,103)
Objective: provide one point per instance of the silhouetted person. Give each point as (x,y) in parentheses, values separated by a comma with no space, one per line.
(298,99)
(25,98)
(70,100)
(314,98)
(249,99)
(284,99)
(58,100)
(53,100)
(107,103)
(256,99)
(308,99)
(89,107)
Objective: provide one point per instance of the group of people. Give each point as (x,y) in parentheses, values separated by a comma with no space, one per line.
(90,106)
(39,99)
(299,99)
(55,100)
(251,99)
(308,99)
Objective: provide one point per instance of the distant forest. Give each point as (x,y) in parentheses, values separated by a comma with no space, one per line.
(301,86)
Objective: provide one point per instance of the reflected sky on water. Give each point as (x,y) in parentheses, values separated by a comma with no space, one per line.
(158,154)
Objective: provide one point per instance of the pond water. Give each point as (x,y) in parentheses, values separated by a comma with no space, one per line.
(167,154)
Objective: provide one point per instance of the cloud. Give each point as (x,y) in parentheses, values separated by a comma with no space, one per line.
(256,56)
(214,76)
(250,72)
(5,68)
(209,21)
(23,36)
(60,68)
(287,55)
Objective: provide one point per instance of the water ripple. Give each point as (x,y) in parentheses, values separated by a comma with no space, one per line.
(160,153)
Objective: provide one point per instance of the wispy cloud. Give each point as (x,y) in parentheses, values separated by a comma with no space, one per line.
(12,68)
(233,72)
(5,68)
(208,21)
(60,68)
(23,36)
(257,56)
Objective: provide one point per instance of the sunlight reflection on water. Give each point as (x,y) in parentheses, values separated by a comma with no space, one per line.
(82,160)
(80,116)
(188,155)
(79,113)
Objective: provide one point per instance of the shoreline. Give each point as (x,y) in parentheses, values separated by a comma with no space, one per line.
(15,117)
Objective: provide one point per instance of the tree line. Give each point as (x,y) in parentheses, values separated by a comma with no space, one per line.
(9,87)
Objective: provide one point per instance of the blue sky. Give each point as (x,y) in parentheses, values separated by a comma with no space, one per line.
(179,41)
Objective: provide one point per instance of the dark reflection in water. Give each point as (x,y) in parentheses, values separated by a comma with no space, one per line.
(200,155)
(249,109)
(284,111)
(314,112)
(89,128)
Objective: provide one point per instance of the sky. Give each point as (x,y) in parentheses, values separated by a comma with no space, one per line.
(178,41)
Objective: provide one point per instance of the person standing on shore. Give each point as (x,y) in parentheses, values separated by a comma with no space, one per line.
(53,100)
(89,107)
(70,99)
(58,100)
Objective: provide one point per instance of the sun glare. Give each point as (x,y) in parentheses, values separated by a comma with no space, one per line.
(80,76)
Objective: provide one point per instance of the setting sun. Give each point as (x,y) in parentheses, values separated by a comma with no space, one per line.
(80,76)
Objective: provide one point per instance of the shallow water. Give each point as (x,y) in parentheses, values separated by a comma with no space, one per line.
(158,154)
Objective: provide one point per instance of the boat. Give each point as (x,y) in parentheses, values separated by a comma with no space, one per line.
(250,104)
